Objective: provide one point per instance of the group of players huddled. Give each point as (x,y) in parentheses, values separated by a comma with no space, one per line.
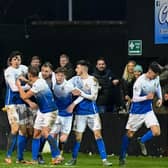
(40,103)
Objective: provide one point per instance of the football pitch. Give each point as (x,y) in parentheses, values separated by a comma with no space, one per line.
(93,161)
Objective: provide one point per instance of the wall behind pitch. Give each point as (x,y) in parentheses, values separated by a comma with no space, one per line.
(79,41)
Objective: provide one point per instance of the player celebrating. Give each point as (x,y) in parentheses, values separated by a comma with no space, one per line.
(144,89)
(62,92)
(86,111)
(45,117)
(16,107)
(49,76)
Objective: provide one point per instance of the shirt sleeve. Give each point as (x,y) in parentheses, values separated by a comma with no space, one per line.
(24,69)
(35,88)
(78,100)
(70,87)
(94,91)
(137,92)
(10,79)
(71,81)
(26,87)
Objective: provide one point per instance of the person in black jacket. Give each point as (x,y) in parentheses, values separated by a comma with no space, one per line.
(107,80)
(64,62)
(164,86)
(163,62)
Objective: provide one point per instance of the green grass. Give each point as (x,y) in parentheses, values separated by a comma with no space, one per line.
(86,161)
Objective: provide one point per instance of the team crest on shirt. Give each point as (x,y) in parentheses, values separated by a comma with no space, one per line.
(79,84)
(35,85)
(95,81)
(86,86)
(155,84)
(135,88)
(8,75)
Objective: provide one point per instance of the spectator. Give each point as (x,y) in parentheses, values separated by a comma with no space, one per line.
(128,74)
(35,61)
(128,81)
(164,86)
(64,62)
(106,81)
(138,70)
(165,98)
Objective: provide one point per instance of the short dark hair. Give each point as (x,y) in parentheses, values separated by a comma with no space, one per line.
(61,70)
(83,62)
(101,59)
(14,54)
(64,56)
(48,64)
(34,71)
(155,67)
